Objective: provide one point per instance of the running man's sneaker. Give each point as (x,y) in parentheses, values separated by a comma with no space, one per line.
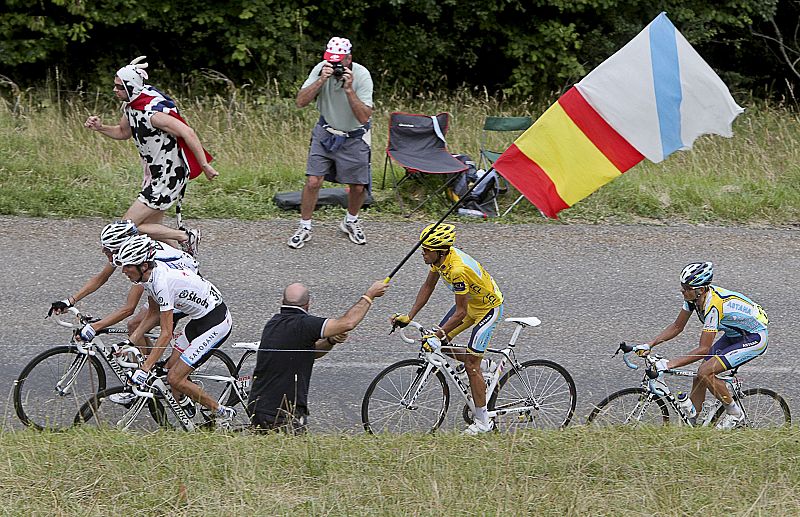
(225,416)
(479,427)
(300,237)
(729,421)
(124,398)
(354,231)
(192,244)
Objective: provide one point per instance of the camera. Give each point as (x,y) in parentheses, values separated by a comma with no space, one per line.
(338,70)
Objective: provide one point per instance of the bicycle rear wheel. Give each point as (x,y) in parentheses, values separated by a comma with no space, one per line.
(763,408)
(140,413)
(543,390)
(52,387)
(631,406)
(384,409)
(219,364)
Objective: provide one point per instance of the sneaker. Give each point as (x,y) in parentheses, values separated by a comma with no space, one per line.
(192,244)
(479,427)
(354,231)
(731,421)
(124,398)
(300,237)
(225,416)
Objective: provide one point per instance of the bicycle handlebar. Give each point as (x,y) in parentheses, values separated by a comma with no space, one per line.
(649,359)
(412,324)
(129,349)
(136,391)
(72,310)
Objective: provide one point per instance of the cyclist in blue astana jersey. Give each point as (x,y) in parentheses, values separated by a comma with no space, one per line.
(744,327)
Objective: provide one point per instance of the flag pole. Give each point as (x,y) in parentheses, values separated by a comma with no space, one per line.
(450,211)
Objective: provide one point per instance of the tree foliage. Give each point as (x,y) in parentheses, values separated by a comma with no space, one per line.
(524,47)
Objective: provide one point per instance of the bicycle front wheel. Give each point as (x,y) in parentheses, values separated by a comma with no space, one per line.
(631,406)
(53,386)
(406,397)
(538,394)
(763,408)
(118,408)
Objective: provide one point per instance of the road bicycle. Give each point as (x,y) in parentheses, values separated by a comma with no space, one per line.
(163,410)
(649,403)
(413,394)
(54,385)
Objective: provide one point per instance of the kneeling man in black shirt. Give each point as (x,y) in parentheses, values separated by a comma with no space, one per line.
(290,343)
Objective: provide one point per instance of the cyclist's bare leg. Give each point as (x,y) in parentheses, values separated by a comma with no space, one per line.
(472,365)
(178,378)
(707,375)
(151,222)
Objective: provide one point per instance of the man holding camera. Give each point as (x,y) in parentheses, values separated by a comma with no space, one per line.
(340,141)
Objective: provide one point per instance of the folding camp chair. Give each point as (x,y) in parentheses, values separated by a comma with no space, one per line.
(417,143)
(488,157)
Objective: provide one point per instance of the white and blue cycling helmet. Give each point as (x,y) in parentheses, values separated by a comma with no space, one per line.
(135,251)
(115,234)
(697,274)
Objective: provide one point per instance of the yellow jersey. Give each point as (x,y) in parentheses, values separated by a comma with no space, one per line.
(465,275)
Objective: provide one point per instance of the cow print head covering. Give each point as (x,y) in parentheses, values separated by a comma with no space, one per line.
(133,76)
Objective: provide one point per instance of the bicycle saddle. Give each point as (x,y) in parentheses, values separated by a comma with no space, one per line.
(530,321)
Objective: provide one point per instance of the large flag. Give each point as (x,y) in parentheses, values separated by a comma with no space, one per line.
(654,96)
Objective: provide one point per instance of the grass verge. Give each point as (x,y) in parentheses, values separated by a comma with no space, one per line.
(51,166)
(581,471)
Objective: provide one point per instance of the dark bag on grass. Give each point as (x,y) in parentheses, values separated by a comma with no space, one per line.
(327,197)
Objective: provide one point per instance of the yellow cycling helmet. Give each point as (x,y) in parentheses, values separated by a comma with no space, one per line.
(441,238)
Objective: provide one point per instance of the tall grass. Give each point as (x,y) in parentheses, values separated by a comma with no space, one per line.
(580,471)
(51,166)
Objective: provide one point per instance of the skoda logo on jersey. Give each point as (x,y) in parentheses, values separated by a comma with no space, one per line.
(191,296)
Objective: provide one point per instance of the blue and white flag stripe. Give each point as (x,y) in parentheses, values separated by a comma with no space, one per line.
(659,94)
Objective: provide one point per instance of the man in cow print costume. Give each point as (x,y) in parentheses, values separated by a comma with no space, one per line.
(170,150)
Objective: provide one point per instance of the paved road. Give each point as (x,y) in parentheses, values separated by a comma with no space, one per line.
(591,286)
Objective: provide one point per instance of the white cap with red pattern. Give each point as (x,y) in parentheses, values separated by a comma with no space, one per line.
(337,49)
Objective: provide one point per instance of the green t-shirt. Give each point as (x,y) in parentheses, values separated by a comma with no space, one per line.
(332,100)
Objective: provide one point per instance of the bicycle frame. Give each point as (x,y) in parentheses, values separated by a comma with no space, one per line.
(158,386)
(437,361)
(94,347)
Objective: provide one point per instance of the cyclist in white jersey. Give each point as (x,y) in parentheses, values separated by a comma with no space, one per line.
(111,238)
(175,290)
(744,327)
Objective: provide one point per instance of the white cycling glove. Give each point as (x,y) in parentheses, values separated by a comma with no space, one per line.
(139,377)
(87,333)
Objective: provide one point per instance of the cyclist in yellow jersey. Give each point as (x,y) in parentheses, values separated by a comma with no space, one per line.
(478,304)
(743,324)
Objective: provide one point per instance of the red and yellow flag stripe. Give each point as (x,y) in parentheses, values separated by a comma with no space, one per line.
(566,155)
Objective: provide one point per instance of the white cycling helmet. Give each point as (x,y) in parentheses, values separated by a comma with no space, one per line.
(116,233)
(697,274)
(135,251)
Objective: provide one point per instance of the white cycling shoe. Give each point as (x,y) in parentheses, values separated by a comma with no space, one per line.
(731,421)
(478,427)
(126,397)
